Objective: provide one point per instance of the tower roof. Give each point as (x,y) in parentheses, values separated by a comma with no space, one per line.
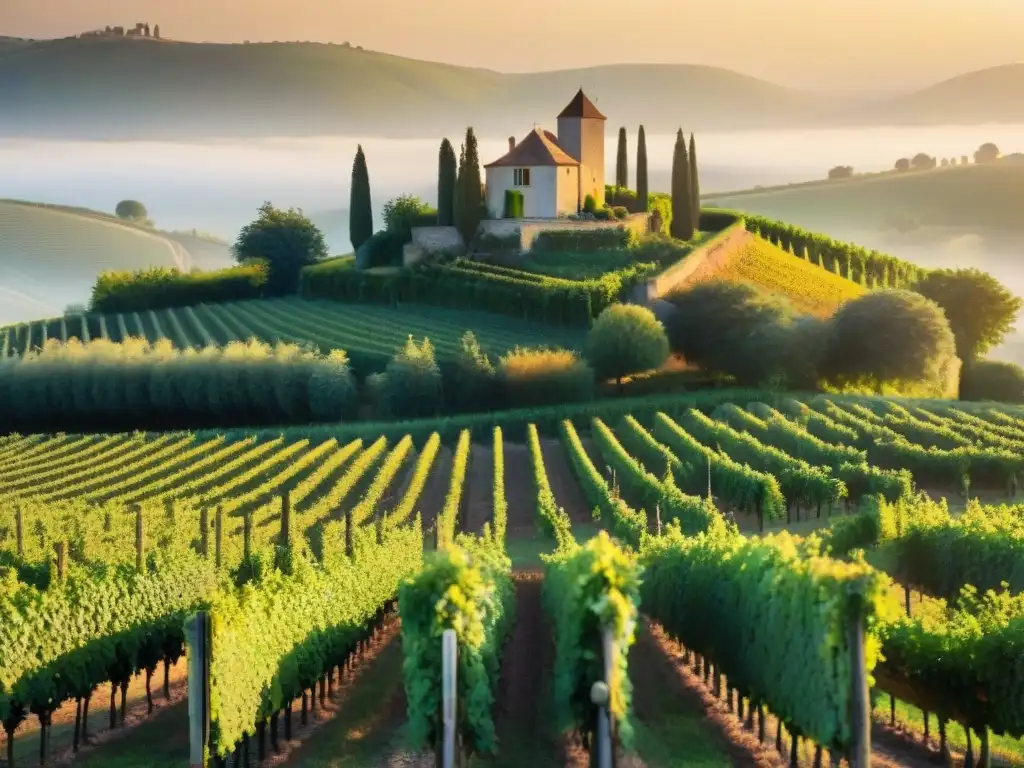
(581,106)
(539,147)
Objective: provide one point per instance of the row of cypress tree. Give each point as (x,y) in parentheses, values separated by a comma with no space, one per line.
(685,189)
(459,191)
(622,165)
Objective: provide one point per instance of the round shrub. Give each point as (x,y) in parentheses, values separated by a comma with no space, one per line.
(625,339)
(712,318)
(620,211)
(992,380)
(895,337)
(332,389)
(536,377)
(412,382)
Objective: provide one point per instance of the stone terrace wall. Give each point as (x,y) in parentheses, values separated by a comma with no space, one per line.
(528,229)
(698,263)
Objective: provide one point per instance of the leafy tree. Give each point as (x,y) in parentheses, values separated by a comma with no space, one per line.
(447,177)
(360,210)
(468,197)
(131,210)
(890,337)
(404,212)
(694,184)
(625,339)
(903,164)
(476,379)
(682,206)
(411,386)
(286,240)
(992,380)
(979,308)
(781,353)
(621,162)
(642,189)
(711,318)
(922,161)
(987,153)
(841,172)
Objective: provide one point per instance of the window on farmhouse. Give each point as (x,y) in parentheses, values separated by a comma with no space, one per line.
(521,177)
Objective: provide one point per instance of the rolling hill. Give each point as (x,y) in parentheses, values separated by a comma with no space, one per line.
(985,196)
(147,88)
(50,256)
(119,88)
(992,95)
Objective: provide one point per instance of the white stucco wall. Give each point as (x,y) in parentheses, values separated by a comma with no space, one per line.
(540,199)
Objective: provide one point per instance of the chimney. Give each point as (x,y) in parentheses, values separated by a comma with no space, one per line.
(511,143)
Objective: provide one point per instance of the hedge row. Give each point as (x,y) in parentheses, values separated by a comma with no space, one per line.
(861,265)
(160,288)
(472,285)
(106,386)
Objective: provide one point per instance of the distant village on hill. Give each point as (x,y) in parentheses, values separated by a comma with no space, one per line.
(141,29)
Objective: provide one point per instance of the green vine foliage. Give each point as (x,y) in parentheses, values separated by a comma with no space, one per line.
(101,623)
(693,512)
(587,589)
(772,614)
(735,484)
(551,519)
(627,523)
(889,448)
(801,483)
(962,662)
(273,639)
(466,587)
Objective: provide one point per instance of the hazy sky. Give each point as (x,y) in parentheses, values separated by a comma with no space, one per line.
(847,44)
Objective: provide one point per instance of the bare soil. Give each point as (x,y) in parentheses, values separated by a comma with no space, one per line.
(520,493)
(479,489)
(435,490)
(523,715)
(568,493)
(63,720)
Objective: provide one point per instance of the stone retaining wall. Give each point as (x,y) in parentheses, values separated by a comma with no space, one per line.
(698,262)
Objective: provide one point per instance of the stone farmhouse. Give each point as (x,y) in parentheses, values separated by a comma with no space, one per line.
(553,172)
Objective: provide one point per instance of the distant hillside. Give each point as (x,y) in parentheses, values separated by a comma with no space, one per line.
(125,87)
(50,256)
(958,196)
(993,95)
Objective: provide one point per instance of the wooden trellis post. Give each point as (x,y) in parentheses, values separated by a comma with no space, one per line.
(197,636)
(860,701)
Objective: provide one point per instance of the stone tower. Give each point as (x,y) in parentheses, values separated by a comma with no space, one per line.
(581,134)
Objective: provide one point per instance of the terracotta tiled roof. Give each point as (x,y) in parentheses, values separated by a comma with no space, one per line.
(540,147)
(581,106)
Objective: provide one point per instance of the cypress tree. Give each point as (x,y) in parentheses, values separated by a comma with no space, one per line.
(447,176)
(621,162)
(642,190)
(681,227)
(360,212)
(469,198)
(694,184)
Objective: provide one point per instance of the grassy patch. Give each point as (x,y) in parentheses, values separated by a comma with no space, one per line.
(967,195)
(577,266)
(808,287)
(1004,749)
